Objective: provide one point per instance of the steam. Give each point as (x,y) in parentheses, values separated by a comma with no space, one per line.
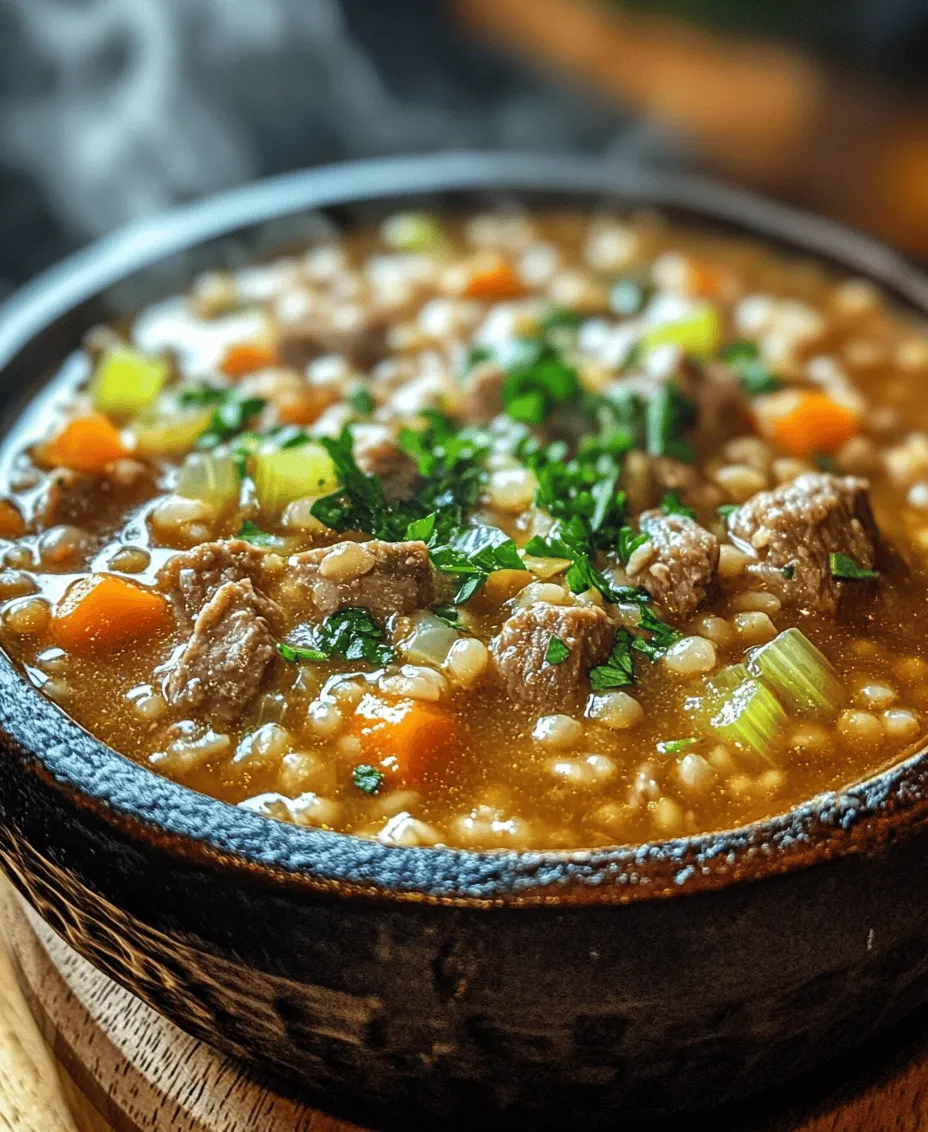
(146,102)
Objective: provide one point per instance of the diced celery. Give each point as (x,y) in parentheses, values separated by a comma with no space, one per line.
(413,232)
(283,475)
(212,477)
(170,431)
(749,716)
(727,679)
(801,675)
(126,381)
(698,333)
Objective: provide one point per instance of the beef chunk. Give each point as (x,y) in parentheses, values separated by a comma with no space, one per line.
(796,527)
(520,647)
(678,563)
(330,327)
(482,394)
(220,669)
(191,578)
(378,454)
(382,577)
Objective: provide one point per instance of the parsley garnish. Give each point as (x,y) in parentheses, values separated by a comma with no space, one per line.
(752,372)
(561,319)
(251,532)
(672,746)
(727,510)
(367,778)
(294,653)
(451,617)
(619,669)
(824,462)
(671,504)
(537,379)
(662,636)
(788,571)
(848,569)
(476,355)
(668,414)
(361,400)
(351,634)
(557,651)
(628,543)
(232,415)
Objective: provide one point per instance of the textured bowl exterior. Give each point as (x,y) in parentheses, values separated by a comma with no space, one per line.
(552,988)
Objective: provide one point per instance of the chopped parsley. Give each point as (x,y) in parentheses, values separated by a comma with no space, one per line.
(752,372)
(476,356)
(361,400)
(557,651)
(351,634)
(671,504)
(628,543)
(292,654)
(251,532)
(668,414)
(619,669)
(367,778)
(788,571)
(672,746)
(824,462)
(727,510)
(662,636)
(561,319)
(451,617)
(537,379)
(849,569)
(231,415)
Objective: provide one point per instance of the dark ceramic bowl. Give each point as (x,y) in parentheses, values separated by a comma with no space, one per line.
(552,987)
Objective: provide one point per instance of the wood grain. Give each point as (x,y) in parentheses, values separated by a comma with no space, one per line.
(108,1063)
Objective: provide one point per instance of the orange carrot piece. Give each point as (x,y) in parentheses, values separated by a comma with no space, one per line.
(403,737)
(103,612)
(85,444)
(492,280)
(305,407)
(11,521)
(247,357)
(805,421)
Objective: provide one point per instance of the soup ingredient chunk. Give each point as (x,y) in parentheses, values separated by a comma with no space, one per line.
(678,563)
(521,650)
(383,577)
(103,612)
(792,532)
(190,579)
(222,666)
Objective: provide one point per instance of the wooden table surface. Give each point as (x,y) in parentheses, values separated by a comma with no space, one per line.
(79,1054)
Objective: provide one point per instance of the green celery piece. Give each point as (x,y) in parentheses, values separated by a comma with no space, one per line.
(127,381)
(697,333)
(750,717)
(799,673)
(283,475)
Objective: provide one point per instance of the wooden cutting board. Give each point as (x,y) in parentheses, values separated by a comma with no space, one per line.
(79,1054)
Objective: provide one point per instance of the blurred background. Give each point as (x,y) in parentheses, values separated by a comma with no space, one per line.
(113,109)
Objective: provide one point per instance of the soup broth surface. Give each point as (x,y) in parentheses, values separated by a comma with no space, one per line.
(503,531)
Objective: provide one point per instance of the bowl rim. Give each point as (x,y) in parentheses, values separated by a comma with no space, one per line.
(100,781)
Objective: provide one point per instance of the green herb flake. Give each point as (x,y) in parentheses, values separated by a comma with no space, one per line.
(673,746)
(231,415)
(752,372)
(361,400)
(628,543)
(367,778)
(824,462)
(353,634)
(671,504)
(251,532)
(561,319)
(788,571)
(848,569)
(661,635)
(557,651)
(727,510)
(668,415)
(619,669)
(292,654)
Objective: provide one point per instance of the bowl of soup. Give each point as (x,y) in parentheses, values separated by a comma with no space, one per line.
(463,627)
